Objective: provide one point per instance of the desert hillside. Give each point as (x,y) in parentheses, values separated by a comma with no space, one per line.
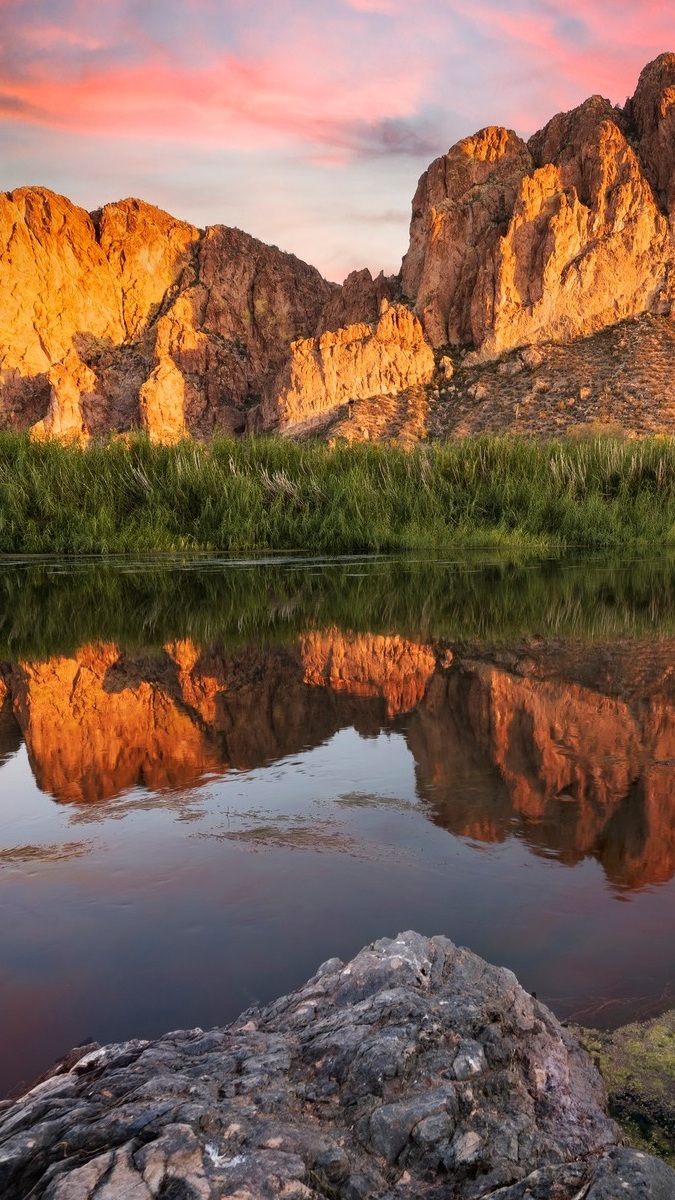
(536,295)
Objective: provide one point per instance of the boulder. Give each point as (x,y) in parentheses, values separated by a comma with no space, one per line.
(416,1070)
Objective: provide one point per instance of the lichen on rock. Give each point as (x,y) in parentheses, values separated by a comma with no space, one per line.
(637,1063)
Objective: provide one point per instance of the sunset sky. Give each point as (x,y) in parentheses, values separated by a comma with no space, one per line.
(305,122)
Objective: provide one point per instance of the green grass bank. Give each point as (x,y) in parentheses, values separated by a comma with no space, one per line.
(269,494)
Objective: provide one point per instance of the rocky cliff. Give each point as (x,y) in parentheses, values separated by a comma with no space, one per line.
(127,318)
(130,318)
(354,363)
(514,243)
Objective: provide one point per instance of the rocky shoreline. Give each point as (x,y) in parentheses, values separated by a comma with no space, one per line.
(637,1064)
(415,1070)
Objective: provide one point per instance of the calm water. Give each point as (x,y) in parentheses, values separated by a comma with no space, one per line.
(213,776)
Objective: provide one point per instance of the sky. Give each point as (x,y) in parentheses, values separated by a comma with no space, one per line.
(305,122)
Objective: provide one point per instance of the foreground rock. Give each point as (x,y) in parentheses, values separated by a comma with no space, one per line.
(417,1070)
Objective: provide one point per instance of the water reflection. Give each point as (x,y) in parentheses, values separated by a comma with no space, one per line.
(189,824)
(570,748)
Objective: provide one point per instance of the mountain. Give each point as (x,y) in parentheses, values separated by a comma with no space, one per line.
(127,318)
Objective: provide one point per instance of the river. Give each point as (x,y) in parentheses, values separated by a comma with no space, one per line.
(214,775)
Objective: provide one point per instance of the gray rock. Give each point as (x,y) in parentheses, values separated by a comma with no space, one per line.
(391,1125)
(414,1072)
(469,1060)
(631,1173)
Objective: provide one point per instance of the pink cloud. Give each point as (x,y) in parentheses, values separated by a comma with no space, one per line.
(290,91)
(51,37)
(316,74)
(233,102)
(563,52)
(387,7)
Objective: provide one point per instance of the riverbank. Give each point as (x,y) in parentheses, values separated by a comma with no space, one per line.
(415,1070)
(637,1064)
(257,495)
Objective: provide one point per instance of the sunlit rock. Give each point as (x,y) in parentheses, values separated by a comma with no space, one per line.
(354,364)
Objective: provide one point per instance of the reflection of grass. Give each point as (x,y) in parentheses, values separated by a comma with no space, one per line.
(19,855)
(51,608)
(273,494)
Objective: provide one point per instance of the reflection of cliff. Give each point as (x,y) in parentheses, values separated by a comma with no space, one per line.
(578,761)
(369,665)
(102,722)
(574,771)
(93,731)
(10,736)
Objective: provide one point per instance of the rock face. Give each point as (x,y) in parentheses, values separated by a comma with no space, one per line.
(354,364)
(461,209)
(56,286)
(128,318)
(513,244)
(131,318)
(415,1070)
(73,398)
(652,111)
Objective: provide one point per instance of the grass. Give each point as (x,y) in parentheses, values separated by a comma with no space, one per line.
(252,496)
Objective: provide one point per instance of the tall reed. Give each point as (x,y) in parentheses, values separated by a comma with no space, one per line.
(270,494)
